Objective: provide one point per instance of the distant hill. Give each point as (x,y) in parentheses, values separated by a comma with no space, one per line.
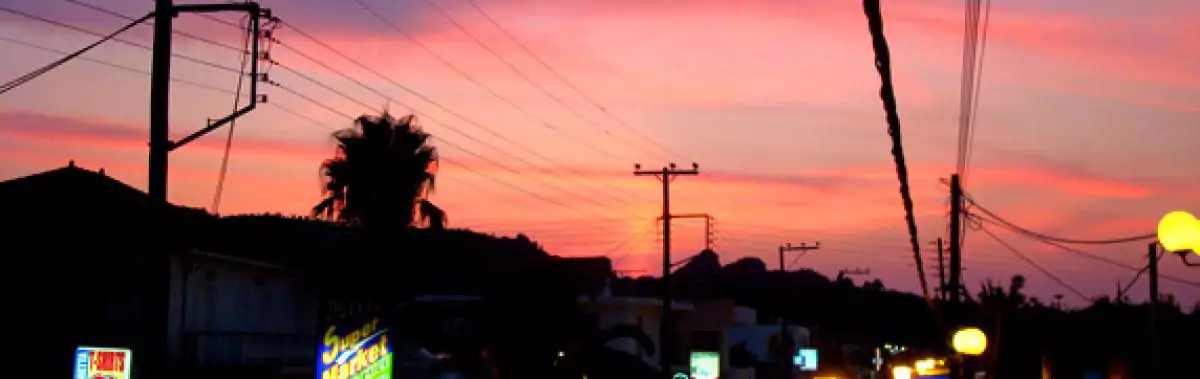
(837,309)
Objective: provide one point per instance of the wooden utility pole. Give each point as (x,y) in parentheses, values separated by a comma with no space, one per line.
(160,272)
(666,327)
(941,271)
(160,84)
(956,199)
(161,146)
(785,351)
(160,97)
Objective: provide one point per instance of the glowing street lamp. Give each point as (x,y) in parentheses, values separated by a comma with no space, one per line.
(970,341)
(1179,231)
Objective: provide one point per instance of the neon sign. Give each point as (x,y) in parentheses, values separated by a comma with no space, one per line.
(355,351)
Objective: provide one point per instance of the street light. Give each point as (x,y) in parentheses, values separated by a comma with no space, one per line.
(1179,231)
(970,341)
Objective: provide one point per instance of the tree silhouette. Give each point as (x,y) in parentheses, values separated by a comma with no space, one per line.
(381,176)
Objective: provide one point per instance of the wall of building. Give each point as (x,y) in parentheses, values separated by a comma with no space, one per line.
(643,312)
(758,338)
(226,311)
(708,328)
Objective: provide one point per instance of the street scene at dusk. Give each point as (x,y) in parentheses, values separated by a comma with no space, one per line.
(599,189)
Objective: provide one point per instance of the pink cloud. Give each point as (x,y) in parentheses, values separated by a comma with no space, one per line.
(96,130)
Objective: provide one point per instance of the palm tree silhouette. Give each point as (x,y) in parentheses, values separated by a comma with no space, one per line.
(381,176)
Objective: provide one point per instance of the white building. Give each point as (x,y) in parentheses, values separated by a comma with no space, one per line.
(227,311)
(643,312)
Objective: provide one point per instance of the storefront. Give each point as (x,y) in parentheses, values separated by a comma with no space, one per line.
(428,337)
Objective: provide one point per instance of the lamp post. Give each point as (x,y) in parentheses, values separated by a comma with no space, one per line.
(1178,232)
(967,341)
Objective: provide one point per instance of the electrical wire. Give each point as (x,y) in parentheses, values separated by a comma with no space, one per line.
(991,215)
(1091,256)
(176,32)
(477,125)
(987,16)
(445,142)
(113,65)
(1125,291)
(1044,271)
(520,73)
(569,84)
(452,144)
(722,199)
(292,112)
(116,39)
(969,53)
(887,94)
(237,97)
(17,82)
(637,238)
(479,84)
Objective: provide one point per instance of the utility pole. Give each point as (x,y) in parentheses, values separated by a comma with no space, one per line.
(161,146)
(785,348)
(708,219)
(666,326)
(1153,268)
(941,271)
(160,89)
(160,83)
(956,199)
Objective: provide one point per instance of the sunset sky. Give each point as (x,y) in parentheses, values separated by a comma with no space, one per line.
(1088,121)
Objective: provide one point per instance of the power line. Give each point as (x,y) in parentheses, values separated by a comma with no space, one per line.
(987,16)
(523,75)
(1048,274)
(1125,291)
(569,84)
(174,79)
(1091,256)
(44,69)
(440,106)
(442,140)
(289,111)
(443,158)
(720,199)
(637,238)
(477,83)
(116,39)
(112,65)
(452,144)
(216,204)
(177,32)
(1045,237)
